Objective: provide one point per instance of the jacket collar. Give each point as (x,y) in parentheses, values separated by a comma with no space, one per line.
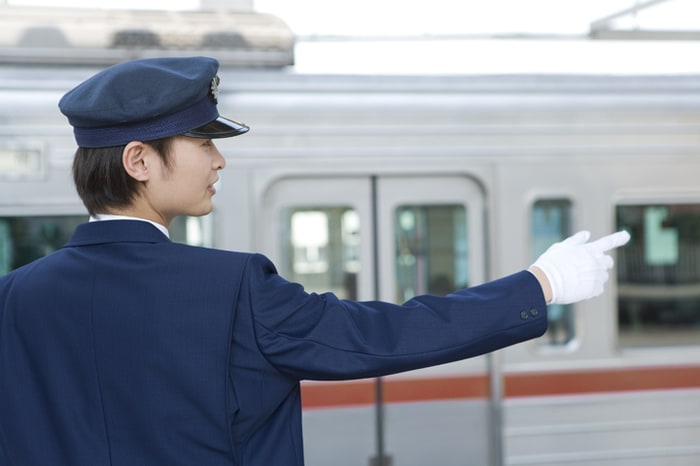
(100,217)
(116,231)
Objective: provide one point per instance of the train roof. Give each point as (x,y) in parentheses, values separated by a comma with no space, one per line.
(73,36)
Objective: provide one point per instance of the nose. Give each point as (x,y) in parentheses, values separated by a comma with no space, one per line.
(218,160)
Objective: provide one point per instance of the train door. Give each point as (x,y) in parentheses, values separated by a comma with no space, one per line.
(388,238)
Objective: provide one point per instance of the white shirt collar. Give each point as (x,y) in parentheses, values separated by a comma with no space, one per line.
(102,217)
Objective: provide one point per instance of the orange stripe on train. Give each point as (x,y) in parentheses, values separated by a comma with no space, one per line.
(400,390)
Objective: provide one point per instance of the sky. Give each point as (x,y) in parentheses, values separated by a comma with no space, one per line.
(564,23)
(421,17)
(411,17)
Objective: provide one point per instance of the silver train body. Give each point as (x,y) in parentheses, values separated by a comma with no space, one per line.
(387,186)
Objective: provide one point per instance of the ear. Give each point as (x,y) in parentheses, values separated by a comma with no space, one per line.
(134,160)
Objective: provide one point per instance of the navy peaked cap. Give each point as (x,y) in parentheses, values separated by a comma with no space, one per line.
(143,100)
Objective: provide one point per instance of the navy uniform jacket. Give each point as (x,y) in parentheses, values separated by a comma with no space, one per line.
(126,349)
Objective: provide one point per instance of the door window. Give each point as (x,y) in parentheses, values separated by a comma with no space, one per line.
(431,250)
(321,248)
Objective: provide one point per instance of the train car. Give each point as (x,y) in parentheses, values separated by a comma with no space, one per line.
(382,187)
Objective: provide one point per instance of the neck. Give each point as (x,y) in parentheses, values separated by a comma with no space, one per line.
(138,210)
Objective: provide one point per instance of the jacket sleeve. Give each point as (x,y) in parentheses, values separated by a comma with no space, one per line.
(321,337)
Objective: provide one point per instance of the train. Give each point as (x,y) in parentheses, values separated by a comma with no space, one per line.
(387,186)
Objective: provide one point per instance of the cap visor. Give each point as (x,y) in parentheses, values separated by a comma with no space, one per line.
(219,128)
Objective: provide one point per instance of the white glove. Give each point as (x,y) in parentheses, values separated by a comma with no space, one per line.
(577,270)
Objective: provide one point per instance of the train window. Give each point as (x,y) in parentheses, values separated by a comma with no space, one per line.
(551,222)
(20,162)
(431,249)
(658,275)
(322,247)
(195,231)
(24,239)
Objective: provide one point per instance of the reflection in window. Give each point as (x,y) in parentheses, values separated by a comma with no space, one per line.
(322,246)
(195,231)
(24,239)
(551,223)
(659,275)
(310,242)
(431,250)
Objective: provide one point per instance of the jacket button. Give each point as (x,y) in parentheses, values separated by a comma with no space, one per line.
(524,315)
(534,312)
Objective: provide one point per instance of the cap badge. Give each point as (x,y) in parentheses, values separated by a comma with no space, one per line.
(214,89)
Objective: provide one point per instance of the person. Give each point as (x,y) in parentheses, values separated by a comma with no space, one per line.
(126,349)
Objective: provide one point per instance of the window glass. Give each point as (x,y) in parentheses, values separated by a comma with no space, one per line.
(195,231)
(24,239)
(321,249)
(551,223)
(431,249)
(658,275)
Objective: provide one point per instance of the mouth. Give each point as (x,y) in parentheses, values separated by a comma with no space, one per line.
(211,187)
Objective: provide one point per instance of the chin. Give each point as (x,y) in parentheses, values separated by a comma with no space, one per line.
(196,212)
(204,211)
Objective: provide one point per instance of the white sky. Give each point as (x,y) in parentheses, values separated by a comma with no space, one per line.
(406,17)
(484,18)
(128,4)
(418,17)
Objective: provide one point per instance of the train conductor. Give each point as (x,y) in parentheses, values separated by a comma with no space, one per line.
(126,349)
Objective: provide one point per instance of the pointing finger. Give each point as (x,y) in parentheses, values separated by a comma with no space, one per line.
(612,241)
(578,238)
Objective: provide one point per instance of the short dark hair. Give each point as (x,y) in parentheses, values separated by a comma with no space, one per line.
(100,178)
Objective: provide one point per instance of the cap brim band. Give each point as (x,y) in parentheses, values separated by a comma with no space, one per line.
(219,128)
